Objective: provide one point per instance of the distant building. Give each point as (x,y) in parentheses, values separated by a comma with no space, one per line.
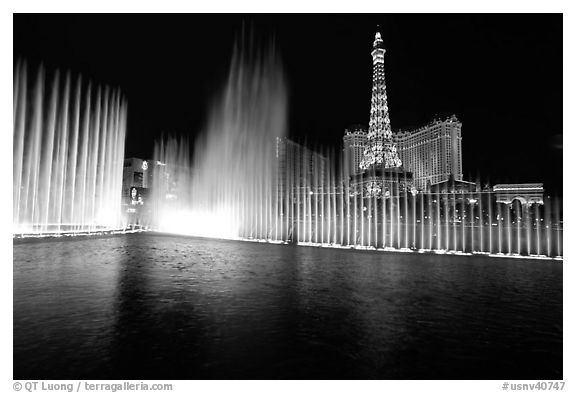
(525,193)
(456,190)
(454,186)
(433,152)
(137,184)
(299,166)
(135,175)
(355,141)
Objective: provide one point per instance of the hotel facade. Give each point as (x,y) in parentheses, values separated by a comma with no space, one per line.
(432,153)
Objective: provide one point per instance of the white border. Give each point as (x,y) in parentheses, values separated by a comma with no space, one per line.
(247,6)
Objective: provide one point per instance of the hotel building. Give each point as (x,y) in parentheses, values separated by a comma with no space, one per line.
(355,140)
(432,153)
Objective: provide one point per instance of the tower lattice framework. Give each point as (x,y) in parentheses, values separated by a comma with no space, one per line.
(381,150)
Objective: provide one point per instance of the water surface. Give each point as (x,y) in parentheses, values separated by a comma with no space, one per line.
(148,306)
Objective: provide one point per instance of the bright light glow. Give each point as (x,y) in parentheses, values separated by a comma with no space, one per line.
(202,224)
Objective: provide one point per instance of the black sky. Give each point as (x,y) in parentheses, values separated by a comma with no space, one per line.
(500,74)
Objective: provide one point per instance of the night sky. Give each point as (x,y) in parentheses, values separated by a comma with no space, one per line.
(500,74)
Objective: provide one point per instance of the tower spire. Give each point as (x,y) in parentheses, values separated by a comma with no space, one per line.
(381,150)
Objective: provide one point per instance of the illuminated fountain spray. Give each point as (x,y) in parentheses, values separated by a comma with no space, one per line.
(68,155)
(247,181)
(228,189)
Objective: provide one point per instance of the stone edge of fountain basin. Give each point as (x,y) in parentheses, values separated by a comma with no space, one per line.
(43,235)
(370,248)
(22,236)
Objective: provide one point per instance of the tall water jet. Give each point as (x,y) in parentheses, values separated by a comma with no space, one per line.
(68,155)
(233,175)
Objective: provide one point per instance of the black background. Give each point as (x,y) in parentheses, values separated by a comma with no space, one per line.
(500,74)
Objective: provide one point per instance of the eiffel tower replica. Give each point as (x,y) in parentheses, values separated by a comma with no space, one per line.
(382,172)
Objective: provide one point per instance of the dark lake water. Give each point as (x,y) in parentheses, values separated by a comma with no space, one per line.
(146,306)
